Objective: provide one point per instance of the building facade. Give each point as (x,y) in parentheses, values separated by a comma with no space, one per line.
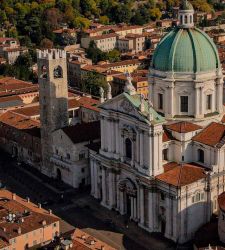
(161,160)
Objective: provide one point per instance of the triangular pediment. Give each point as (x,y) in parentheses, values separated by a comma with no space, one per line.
(129,105)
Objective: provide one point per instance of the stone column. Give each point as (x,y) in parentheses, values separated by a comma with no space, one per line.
(150,155)
(197,102)
(168,217)
(141,148)
(96,180)
(150,210)
(141,205)
(105,140)
(133,153)
(175,219)
(122,149)
(121,202)
(117,138)
(103,186)
(102,133)
(137,148)
(135,208)
(219,92)
(171,91)
(92,177)
(111,186)
(113,136)
(132,207)
(108,135)
(202,108)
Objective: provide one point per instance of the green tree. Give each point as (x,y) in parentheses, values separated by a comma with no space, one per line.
(104,19)
(81,22)
(113,55)
(155,14)
(94,53)
(92,83)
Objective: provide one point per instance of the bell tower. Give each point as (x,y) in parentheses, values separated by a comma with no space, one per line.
(53,98)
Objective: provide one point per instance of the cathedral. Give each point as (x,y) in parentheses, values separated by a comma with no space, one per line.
(161,162)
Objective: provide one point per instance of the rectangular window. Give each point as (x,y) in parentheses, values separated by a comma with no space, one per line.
(184,104)
(160,101)
(208,101)
(165,154)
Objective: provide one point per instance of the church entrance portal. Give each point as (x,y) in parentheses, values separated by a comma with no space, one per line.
(128,197)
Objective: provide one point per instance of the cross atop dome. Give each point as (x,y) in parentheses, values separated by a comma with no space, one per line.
(186,15)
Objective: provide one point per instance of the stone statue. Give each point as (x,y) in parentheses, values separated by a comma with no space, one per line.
(129,88)
(109,91)
(101,93)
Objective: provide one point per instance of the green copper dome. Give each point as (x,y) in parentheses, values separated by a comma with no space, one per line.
(186,50)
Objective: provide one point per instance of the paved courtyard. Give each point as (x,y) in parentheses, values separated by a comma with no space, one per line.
(79,209)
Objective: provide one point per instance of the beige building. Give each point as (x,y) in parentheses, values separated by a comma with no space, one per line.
(105,42)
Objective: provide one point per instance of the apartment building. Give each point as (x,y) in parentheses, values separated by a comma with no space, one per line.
(24,224)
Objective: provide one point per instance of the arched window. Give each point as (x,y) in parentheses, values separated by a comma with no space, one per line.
(200,155)
(181,19)
(186,19)
(44,72)
(128,145)
(58,72)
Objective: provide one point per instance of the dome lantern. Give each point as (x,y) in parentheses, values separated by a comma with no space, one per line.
(186,15)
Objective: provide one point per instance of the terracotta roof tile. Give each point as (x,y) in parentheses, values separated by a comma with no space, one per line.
(18,121)
(89,103)
(183,127)
(212,135)
(34,110)
(181,175)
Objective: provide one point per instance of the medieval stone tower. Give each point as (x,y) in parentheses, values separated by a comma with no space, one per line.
(53,98)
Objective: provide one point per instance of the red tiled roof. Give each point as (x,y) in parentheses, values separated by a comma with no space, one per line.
(181,174)
(11,86)
(221,201)
(83,132)
(104,36)
(35,109)
(89,103)
(213,135)
(18,121)
(183,127)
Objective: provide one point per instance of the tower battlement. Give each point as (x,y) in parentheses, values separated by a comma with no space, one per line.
(51,54)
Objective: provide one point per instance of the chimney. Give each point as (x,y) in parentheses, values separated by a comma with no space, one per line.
(14,196)
(19,231)
(43,222)
(50,211)
(28,199)
(39,205)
